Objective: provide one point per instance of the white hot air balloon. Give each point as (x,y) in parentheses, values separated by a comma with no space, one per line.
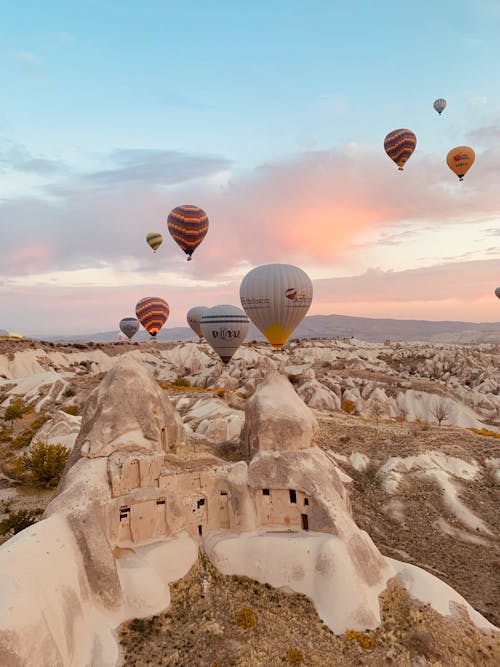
(194,316)
(129,326)
(276,298)
(224,328)
(497,292)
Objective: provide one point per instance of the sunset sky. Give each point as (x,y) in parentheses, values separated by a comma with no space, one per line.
(271,116)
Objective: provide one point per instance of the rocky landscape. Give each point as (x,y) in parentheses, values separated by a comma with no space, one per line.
(347,520)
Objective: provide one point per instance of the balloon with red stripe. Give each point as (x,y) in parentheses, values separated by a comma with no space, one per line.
(152,312)
(399,146)
(188,226)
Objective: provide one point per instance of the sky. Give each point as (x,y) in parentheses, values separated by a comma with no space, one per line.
(271,116)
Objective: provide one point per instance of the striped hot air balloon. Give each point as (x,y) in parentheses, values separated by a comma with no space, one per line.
(439,105)
(188,226)
(154,240)
(399,146)
(152,312)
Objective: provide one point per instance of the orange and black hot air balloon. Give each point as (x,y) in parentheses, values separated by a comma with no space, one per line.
(399,145)
(152,312)
(188,226)
(460,160)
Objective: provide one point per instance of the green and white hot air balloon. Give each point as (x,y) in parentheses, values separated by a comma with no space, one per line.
(276,298)
(224,328)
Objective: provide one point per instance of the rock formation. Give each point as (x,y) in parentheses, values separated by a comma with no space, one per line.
(132,509)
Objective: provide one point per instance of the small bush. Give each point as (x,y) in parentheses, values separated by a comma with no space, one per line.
(68,393)
(246,618)
(17,521)
(294,656)
(364,640)
(15,410)
(142,625)
(348,406)
(71,410)
(181,382)
(294,379)
(5,434)
(45,463)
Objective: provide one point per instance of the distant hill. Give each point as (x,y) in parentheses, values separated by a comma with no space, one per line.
(336,326)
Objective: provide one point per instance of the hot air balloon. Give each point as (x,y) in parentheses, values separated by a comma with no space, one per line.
(154,239)
(188,226)
(129,326)
(497,292)
(439,105)
(194,316)
(399,145)
(276,298)
(224,328)
(152,312)
(460,160)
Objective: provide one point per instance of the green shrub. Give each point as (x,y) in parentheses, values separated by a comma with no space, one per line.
(25,437)
(68,393)
(246,618)
(15,410)
(71,410)
(45,463)
(17,521)
(5,434)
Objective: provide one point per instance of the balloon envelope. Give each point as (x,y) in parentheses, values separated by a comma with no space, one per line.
(154,240)
(497,292)
(224,328)
(439,105)
(188,226)
(152,312)
(399,146)
(129,326)
(460,160)
(276,298)
(194,316)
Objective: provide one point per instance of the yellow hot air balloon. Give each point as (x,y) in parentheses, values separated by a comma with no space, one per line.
(154,240)
(460,160)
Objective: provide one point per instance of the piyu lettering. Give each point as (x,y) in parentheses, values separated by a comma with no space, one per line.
(223,334)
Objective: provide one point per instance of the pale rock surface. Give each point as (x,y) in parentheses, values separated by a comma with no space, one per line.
(317,396)
(62,600)
(62,429)
(277,419)
(127,408)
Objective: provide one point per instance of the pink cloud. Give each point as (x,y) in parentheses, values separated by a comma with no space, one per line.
(456,291)
(30,258)
(460,291)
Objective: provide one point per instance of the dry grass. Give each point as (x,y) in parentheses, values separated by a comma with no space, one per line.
(205,630)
